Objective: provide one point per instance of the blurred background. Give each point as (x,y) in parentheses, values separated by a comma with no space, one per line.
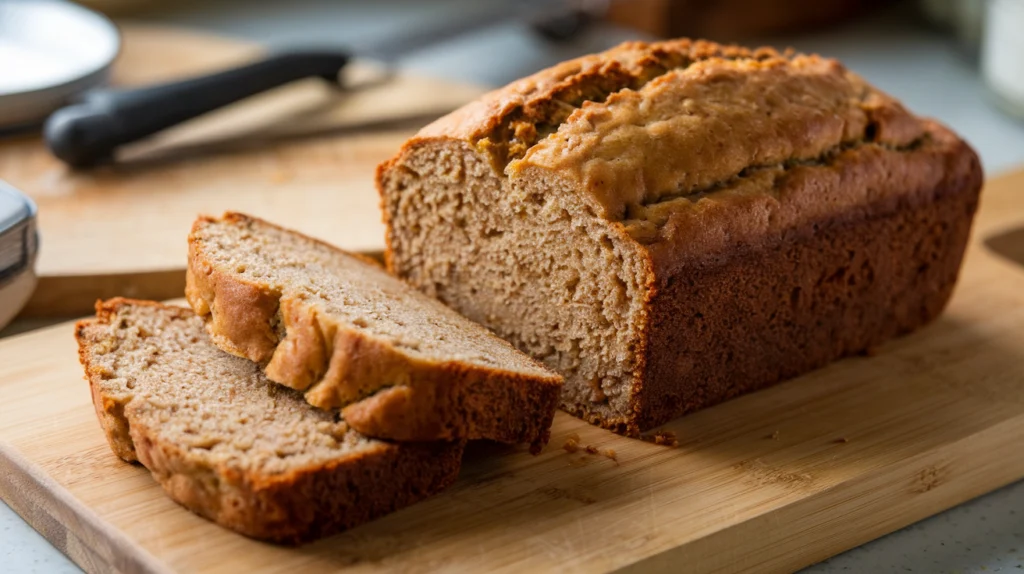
(305,157)
(959,60)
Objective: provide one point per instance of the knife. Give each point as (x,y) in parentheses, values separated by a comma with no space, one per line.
(89,132)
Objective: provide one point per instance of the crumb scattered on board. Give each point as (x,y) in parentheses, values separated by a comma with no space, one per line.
(662,438)
(841,440)
(572,445)
(773,436)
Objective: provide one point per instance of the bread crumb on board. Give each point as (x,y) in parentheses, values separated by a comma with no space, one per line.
(661,438)
(572,443)
(773,436)
(841,440)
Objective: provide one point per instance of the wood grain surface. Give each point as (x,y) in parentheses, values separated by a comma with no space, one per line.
(303,155)
(772,481)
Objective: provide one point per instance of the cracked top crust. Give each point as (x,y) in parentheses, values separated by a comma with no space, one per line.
(725,116)
(643,124)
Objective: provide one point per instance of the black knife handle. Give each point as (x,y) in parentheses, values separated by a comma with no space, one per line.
(87,133)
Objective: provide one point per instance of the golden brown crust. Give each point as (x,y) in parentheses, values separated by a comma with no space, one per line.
(589,95)
(753,314)
(291,507)
(384,391)
(545,97)
(250,333)
(856,183)
(688,131)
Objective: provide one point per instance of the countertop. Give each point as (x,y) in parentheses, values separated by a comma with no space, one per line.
(927,71)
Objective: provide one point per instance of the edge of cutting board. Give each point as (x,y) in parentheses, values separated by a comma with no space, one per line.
(70,526)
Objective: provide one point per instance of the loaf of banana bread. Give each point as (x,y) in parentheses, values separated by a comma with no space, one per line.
(670,225)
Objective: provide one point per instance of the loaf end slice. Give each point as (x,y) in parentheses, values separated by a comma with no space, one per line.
(228,444)
(348,335)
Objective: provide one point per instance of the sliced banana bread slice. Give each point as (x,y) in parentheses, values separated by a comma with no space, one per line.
(231,446)
(341,330)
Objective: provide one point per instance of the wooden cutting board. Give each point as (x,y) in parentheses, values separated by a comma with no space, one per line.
(770,482)
(303,155)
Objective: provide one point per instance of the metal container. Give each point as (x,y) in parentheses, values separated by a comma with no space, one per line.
(19,244)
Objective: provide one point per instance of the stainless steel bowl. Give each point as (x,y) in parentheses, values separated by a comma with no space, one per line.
(19,244)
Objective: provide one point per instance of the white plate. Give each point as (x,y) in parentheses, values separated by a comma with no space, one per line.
(50,51)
